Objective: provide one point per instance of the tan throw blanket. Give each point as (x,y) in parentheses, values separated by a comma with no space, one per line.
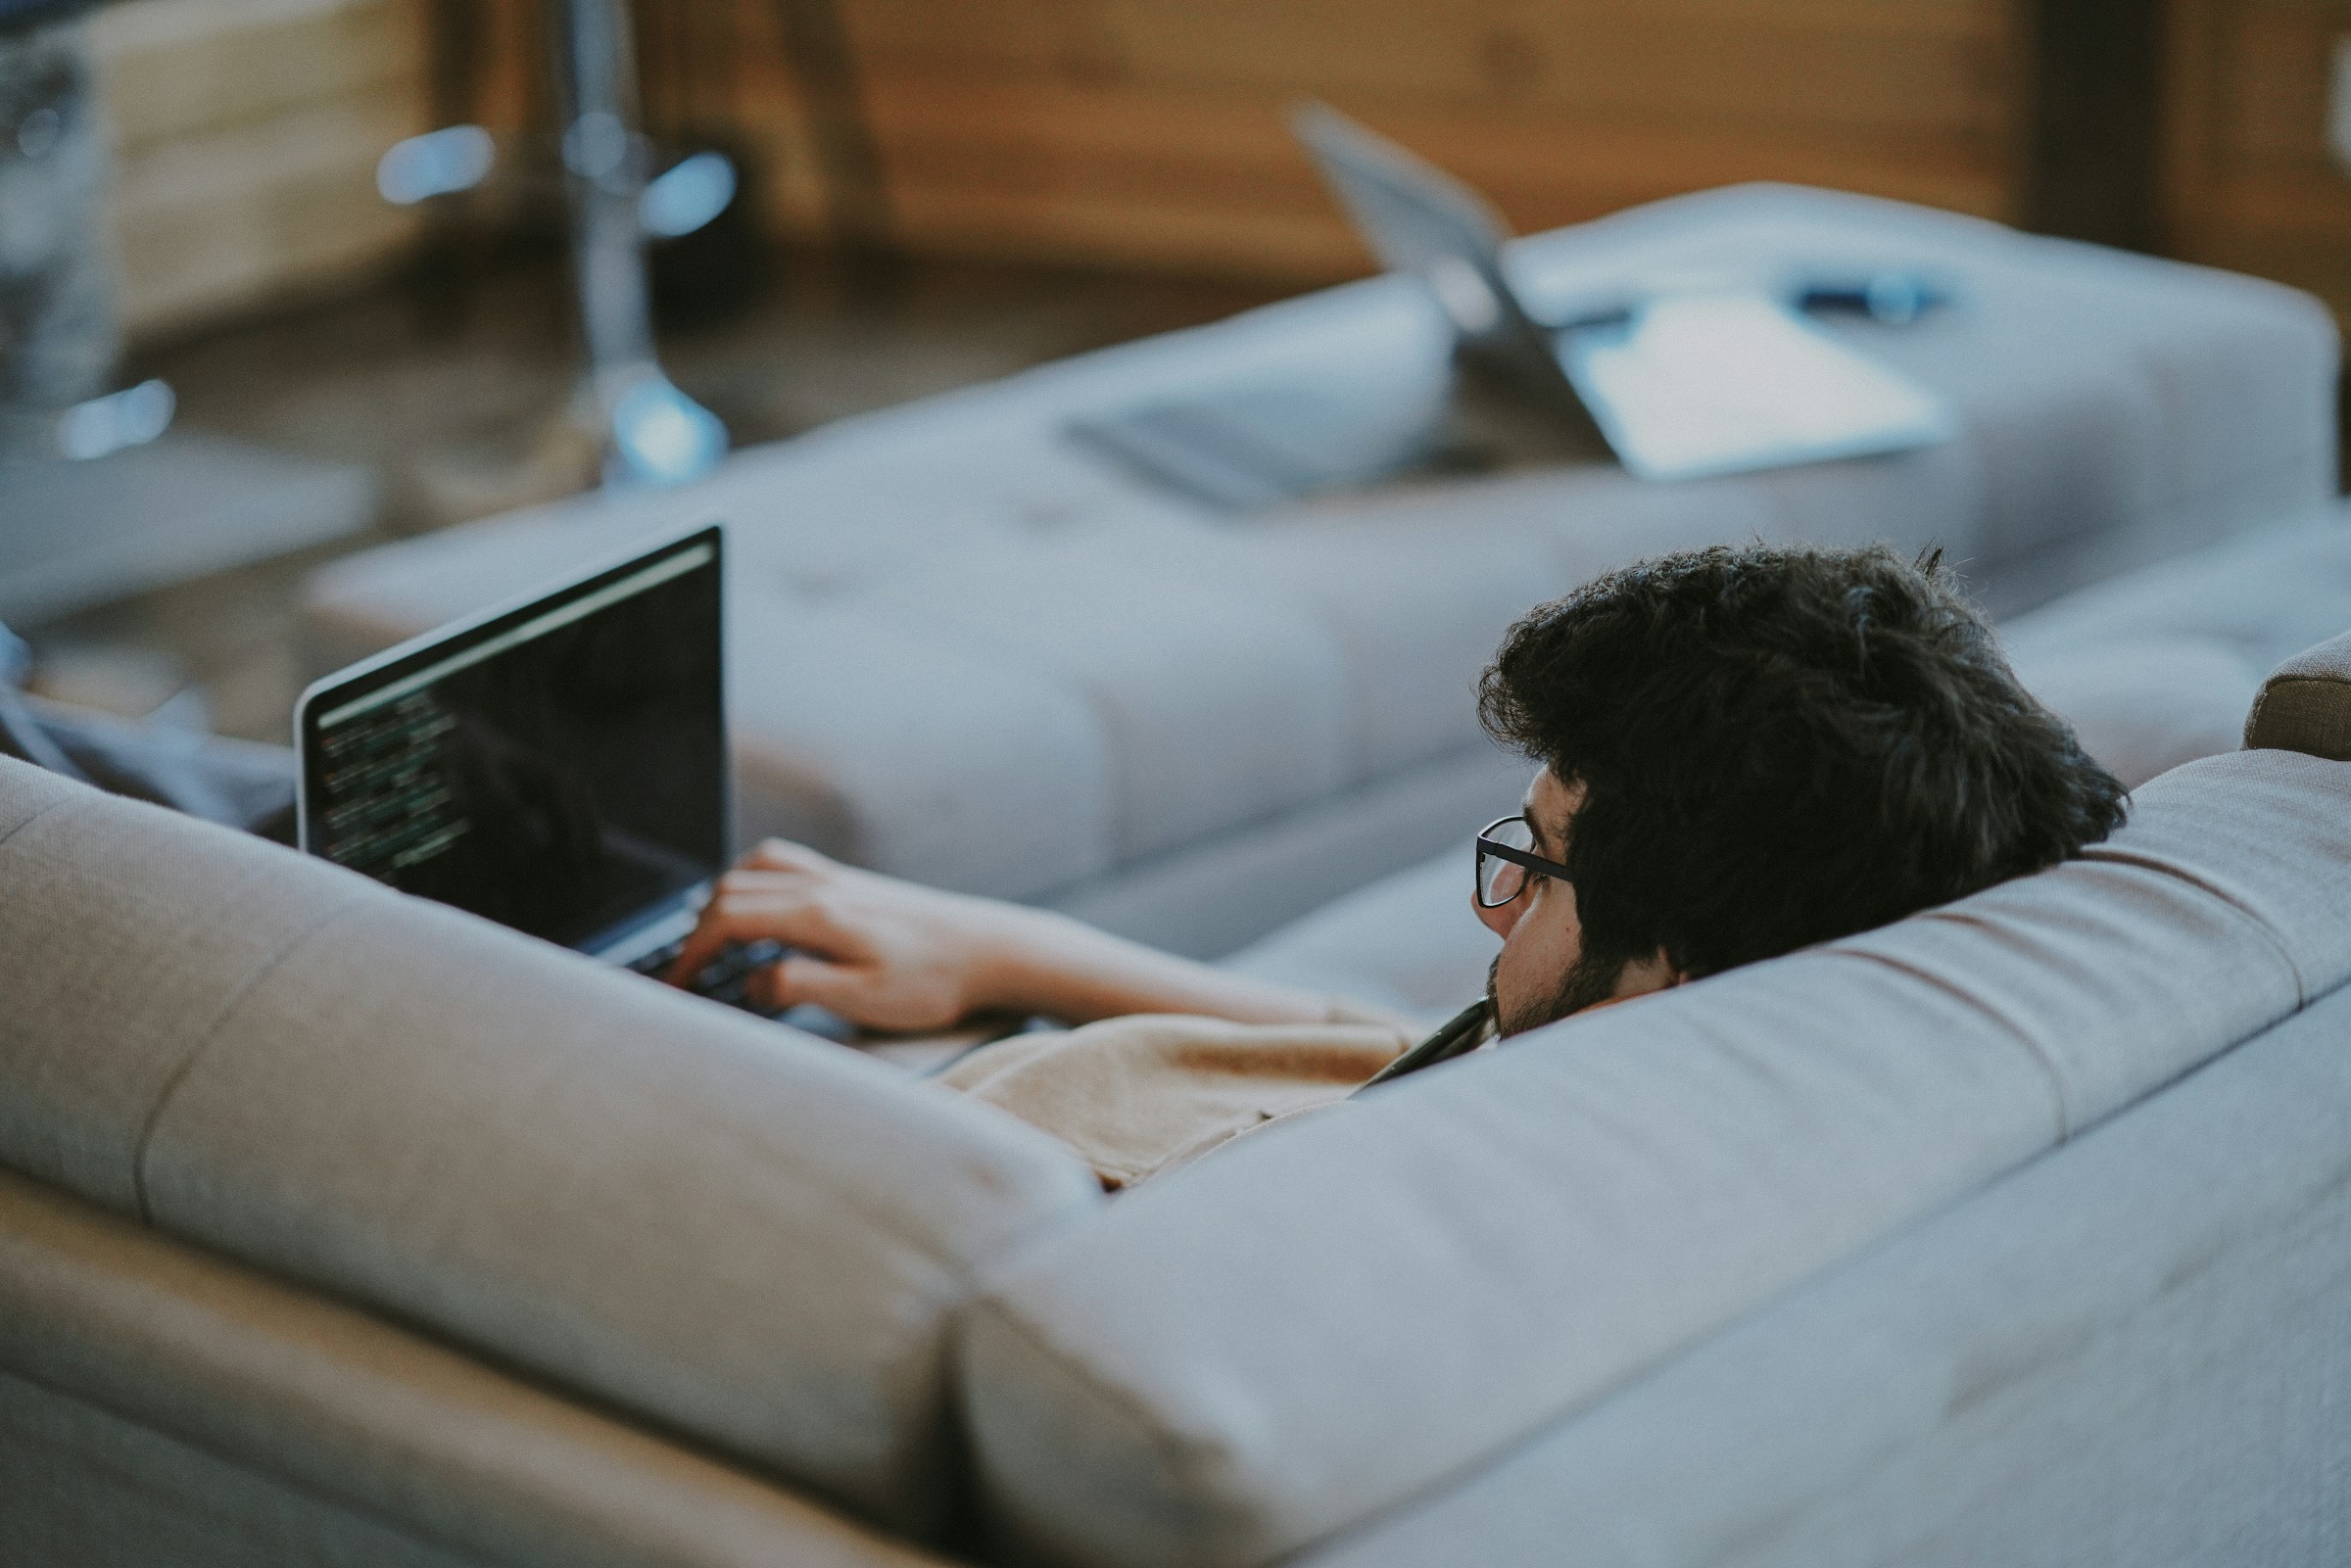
(1139,1096)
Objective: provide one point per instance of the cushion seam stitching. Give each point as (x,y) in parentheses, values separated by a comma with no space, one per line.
(2032,1048)
(187,1063)
(2261,926)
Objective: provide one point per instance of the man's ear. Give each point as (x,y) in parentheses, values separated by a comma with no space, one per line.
(1655,973)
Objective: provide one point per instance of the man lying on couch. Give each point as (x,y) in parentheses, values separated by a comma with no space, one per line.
(1743,752)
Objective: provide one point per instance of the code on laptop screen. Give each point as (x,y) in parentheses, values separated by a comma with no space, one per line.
(559,769)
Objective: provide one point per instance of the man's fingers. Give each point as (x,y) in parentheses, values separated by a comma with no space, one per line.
(781,854)
(798,977)
(712,932)
(737,915)
(756,881)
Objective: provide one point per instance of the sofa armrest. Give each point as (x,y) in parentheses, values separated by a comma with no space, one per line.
(361,1420)
(2305,705)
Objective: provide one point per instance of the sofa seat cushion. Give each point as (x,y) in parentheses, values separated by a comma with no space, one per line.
(2144,705)
(927,598)
(727,1229)
(1324,1322)
(2262,595)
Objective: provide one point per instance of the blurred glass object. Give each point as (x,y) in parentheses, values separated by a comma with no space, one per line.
(663,437)
(439,163)
(647,431)
(654,433)
(597,146)
(688,196)
(39,132)
(131,417)
(59,334)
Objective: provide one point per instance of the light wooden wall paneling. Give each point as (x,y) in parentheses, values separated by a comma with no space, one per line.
(2249,183)
(257,214)
(1150,133)
(247,133)
(1919,67)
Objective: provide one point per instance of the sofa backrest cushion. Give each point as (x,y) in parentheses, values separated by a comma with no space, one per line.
(726,1228)
(2305,705)
(2136,1350)
(1318,1326)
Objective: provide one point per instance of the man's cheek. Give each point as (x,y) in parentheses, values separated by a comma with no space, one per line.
(1550,937)
(1531,962)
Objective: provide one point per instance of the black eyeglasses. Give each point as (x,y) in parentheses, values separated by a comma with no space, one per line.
(1505,857)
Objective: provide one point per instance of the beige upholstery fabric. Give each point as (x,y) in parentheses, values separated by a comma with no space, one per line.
(2306,704)
(1411,942)
(28,794)
(2134,1350)
(969,649)
(81,1486)
(2152,670)
(1296,865)
(1440,1270)
(2263,593)
(125,938)
(2145,706)
(1139,1096)
(745,1234)
(173,1373)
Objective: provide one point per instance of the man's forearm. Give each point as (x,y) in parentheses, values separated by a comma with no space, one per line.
(1058,966)
(890,955)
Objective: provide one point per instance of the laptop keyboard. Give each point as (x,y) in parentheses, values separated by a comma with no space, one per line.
(725,978)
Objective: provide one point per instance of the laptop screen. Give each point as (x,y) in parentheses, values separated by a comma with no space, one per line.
(559,767)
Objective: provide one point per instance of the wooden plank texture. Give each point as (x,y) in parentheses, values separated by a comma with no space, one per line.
(1131,133)
(252,62)
(215,222)
(1151,132)
(2249,181)
(246,136)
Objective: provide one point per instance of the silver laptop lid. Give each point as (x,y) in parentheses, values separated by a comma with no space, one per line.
(1420,220)
(558,765)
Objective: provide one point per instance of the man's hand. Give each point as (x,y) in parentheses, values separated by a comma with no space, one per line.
(890,955)
(882,953)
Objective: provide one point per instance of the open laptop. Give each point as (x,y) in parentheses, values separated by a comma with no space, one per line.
(1678,384)
(558,764)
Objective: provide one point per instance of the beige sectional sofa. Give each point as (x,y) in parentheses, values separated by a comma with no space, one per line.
(2153,668)
(321,1091)
(338,1227)
(964,647)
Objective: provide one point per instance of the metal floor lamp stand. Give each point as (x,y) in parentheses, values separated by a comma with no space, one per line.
(647,431)
(653,434)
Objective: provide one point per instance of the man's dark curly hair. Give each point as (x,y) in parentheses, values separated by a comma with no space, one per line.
(1782,746)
